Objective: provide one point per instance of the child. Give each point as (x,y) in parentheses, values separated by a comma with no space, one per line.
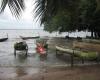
(40,48)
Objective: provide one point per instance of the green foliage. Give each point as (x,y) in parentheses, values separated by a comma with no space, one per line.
(86,13)
(76,15)
(60,22)
(20,46)
(64,19)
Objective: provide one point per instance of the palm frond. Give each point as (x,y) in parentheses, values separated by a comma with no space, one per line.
(3,5)
(16,6)
(45,9)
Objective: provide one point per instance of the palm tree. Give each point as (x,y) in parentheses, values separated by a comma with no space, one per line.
(46,9)
(16,6)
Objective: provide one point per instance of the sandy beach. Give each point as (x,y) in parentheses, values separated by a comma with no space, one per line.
(54,73)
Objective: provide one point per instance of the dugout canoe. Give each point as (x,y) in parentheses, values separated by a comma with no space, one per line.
(25,38)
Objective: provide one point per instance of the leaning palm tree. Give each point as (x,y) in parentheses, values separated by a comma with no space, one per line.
(16,6)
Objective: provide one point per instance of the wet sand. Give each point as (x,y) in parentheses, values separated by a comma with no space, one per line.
(55,73)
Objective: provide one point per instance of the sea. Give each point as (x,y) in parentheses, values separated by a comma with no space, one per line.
(7,57)
(21,65)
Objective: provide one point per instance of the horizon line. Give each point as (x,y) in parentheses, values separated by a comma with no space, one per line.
(21,29)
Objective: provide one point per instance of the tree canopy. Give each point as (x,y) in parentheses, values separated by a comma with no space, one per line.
(70,15)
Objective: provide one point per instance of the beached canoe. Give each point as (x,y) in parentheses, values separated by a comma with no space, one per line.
(68,50)
(3,39)
(64,49)
(24,38)
(88,55)
(79,53)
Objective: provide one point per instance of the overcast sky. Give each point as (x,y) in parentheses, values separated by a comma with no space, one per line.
(7,21)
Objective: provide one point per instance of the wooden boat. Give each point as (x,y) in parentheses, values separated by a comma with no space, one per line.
(24,38)
(64,49)
(3,39)
(79,53)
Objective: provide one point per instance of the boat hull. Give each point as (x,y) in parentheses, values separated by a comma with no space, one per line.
(3,39)
(24,38)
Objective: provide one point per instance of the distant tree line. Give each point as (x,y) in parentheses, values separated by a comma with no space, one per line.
(62,15)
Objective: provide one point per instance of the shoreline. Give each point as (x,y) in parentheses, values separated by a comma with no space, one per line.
(57,73)
(52,72)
